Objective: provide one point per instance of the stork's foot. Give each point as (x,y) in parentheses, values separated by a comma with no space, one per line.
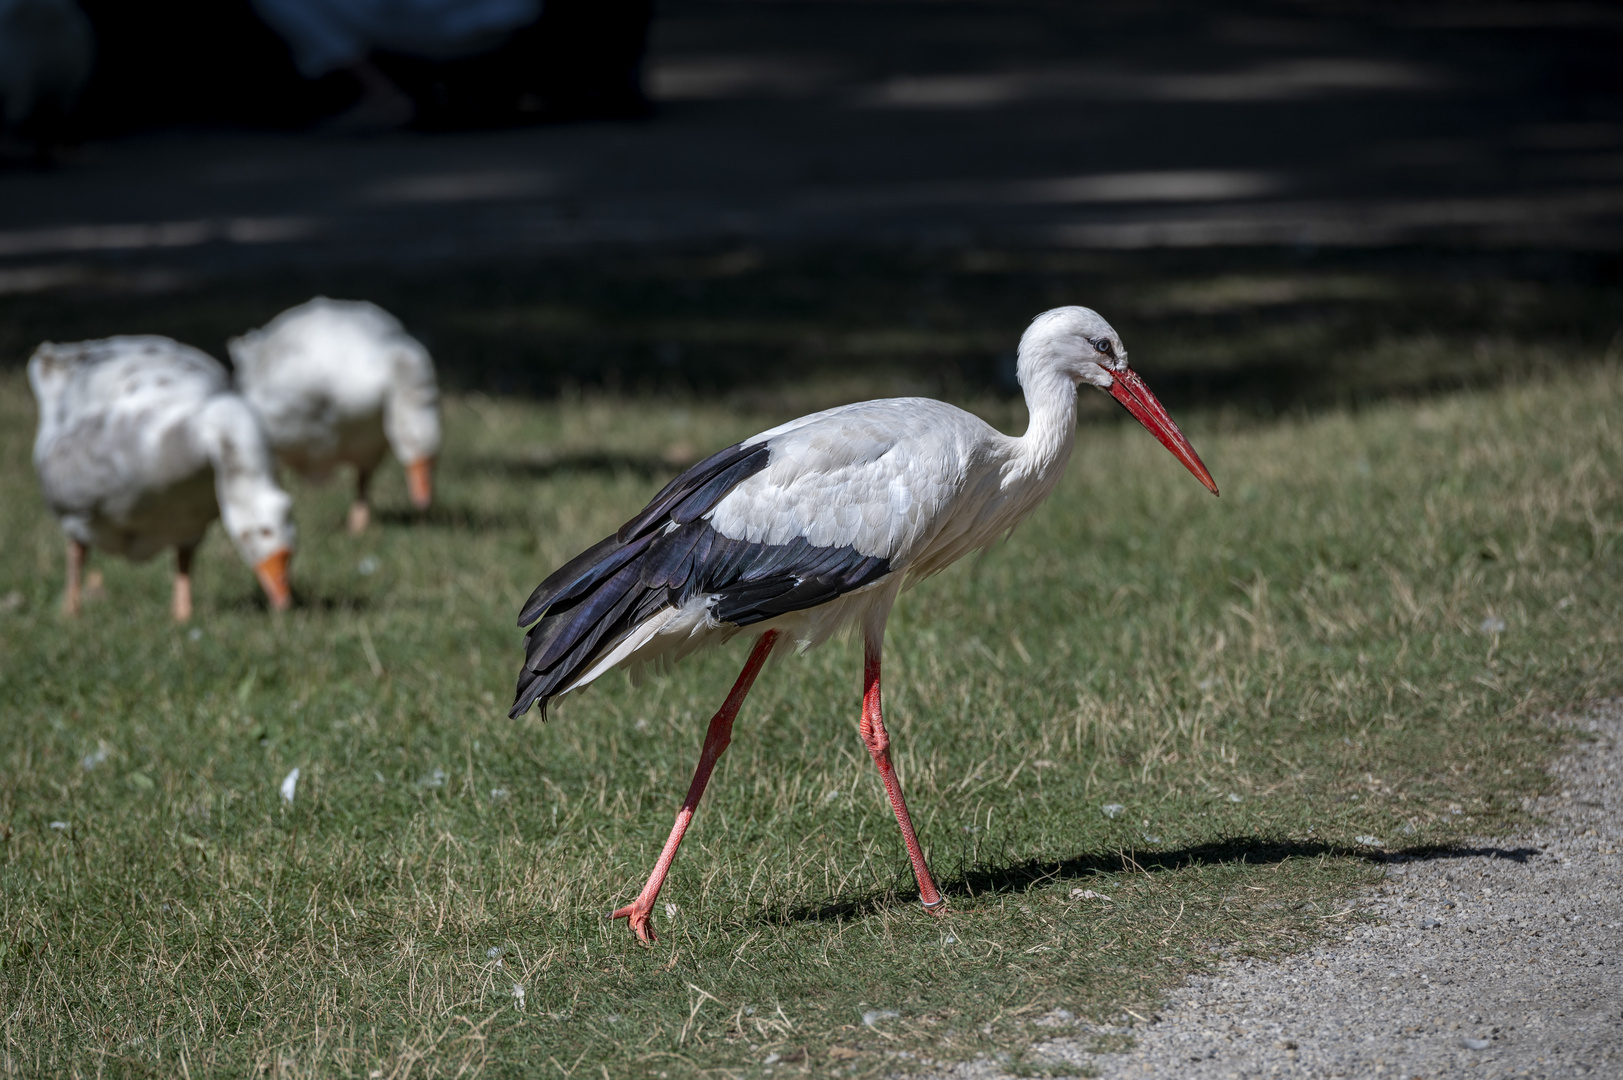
(938,909)
(640,916)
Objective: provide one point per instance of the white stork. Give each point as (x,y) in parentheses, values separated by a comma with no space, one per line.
(339,382)
(817,525)
(141,444)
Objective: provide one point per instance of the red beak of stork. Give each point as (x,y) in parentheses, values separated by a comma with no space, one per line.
(1130,390)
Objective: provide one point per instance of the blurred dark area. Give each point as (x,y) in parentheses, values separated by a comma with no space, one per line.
(1280,204)
(169,63)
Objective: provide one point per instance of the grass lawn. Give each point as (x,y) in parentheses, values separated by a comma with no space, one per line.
(1216,713)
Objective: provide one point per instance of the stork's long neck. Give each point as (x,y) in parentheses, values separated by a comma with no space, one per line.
(1041,453)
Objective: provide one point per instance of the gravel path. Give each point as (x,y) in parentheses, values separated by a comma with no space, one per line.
(1496,961)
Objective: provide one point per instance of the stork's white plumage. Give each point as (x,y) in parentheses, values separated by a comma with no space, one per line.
(818,525)
(338,382)
(141,444)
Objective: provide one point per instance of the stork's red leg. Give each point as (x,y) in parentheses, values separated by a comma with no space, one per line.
(877,741)
(716,739)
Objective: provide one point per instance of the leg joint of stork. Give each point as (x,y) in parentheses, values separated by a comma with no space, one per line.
(875,738)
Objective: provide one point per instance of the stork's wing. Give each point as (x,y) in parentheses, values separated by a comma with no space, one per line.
(877,477)
(682,500)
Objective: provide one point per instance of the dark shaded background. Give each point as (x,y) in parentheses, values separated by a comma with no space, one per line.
(881,194)
(167,63)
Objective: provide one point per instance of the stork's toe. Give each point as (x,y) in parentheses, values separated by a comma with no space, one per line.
(640,917)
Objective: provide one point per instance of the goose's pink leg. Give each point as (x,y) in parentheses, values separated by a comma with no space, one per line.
(72,600)
(716,739)
(360,511)
(181,606)
(877,741)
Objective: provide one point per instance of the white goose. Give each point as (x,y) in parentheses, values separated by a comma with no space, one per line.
(338,382)
(141,444)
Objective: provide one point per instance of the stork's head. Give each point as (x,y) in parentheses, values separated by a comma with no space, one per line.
(1077,343)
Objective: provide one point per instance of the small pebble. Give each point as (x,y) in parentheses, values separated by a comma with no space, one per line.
(1112,809)
(1493,625)
(368,566)
(1476,1044)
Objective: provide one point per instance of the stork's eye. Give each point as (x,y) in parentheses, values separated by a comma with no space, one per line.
(1104,346)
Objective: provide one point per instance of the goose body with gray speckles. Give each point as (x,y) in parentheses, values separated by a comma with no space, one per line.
(141,445)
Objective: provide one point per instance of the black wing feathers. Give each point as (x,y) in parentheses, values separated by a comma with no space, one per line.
(664,557)
(582,570)
(738,462)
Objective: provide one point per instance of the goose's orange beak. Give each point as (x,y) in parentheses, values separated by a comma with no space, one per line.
(272,574)
(420,482)
(1130,390)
